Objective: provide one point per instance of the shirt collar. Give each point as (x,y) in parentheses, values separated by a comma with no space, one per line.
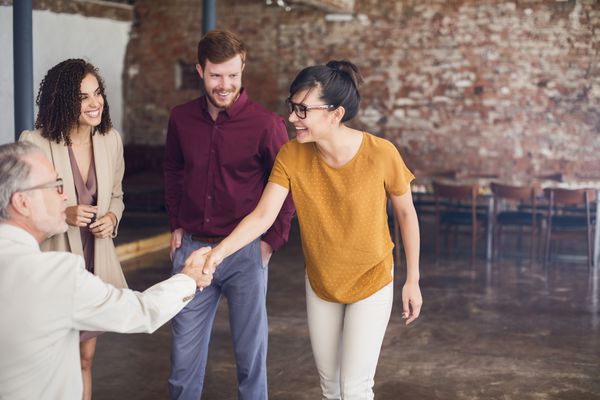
(234,109)
(19,235)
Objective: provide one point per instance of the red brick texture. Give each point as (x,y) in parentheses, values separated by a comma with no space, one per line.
(505,86)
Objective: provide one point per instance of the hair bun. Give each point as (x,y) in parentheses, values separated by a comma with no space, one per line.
(348,68)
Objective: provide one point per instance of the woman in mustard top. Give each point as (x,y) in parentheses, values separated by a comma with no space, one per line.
(340,179)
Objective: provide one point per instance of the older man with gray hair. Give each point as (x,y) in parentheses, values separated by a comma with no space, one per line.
(46,298)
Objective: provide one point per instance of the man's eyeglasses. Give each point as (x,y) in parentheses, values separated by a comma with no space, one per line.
(300,109)
(58,184)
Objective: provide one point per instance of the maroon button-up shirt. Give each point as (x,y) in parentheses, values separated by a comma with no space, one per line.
(215,171)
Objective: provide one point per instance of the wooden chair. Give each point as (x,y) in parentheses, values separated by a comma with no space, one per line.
(442,173)
(552,176)
(515,207)
(480,175)
(424,202)
(456,208)
(569,215)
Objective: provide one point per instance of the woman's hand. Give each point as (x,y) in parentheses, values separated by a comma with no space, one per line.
(411,301)
(80,215)
(104,226)
(213,259)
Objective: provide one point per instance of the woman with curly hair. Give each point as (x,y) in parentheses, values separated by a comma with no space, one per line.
(74,129)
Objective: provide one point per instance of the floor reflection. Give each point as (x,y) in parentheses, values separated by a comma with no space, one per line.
(503,330)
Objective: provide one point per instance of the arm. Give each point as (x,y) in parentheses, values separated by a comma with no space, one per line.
(100,306)
(251,227)
(173,175)
(409,228)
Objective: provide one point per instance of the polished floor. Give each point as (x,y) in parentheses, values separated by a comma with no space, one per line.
(508,330)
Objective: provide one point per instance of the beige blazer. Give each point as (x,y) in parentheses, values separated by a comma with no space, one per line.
(110,166)
(46,298)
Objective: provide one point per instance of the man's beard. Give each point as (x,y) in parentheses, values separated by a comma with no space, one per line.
(214,102)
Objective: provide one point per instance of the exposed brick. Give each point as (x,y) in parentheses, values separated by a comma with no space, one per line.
(494,85)
(116,10)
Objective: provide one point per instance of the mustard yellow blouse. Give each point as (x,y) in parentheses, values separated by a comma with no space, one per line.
(342,215)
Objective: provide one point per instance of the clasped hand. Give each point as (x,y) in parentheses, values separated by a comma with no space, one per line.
(201,265)
(83,215)
(194,268)
(80,215)
(206,258)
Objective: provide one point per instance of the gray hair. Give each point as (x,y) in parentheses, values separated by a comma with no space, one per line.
(14,172)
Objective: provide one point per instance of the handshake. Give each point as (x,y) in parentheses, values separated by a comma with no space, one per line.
(201,265)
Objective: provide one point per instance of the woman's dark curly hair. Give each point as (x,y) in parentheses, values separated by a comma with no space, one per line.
(59,100)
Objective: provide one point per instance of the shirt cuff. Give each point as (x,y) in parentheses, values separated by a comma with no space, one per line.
(274,240)
(173,224)
(192,291)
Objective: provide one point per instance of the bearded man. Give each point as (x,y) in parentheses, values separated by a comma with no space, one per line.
(219,152)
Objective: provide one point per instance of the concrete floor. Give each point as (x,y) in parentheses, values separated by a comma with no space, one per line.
(501,331)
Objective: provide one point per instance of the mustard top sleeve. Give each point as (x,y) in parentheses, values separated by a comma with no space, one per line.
(397,175)
(280,173)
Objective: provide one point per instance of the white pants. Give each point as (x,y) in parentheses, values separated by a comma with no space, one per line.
(346,340)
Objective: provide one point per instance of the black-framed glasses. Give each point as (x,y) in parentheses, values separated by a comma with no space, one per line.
(300,109)
(58,184)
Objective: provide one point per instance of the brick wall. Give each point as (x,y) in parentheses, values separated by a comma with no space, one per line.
(508,86)
(114,9)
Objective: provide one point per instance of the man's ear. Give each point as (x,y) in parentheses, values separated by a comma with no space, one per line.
(21,203)
(200,71)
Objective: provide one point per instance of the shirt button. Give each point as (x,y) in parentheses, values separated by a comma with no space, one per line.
(212,151)
(209,197)
(207,220)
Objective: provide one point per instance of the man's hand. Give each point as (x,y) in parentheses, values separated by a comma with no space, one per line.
(266,251)
(193,268)
(176,237)
(411,302)
(104,226)
(80,215)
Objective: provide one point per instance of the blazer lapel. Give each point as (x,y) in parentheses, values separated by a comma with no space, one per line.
(62,164)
